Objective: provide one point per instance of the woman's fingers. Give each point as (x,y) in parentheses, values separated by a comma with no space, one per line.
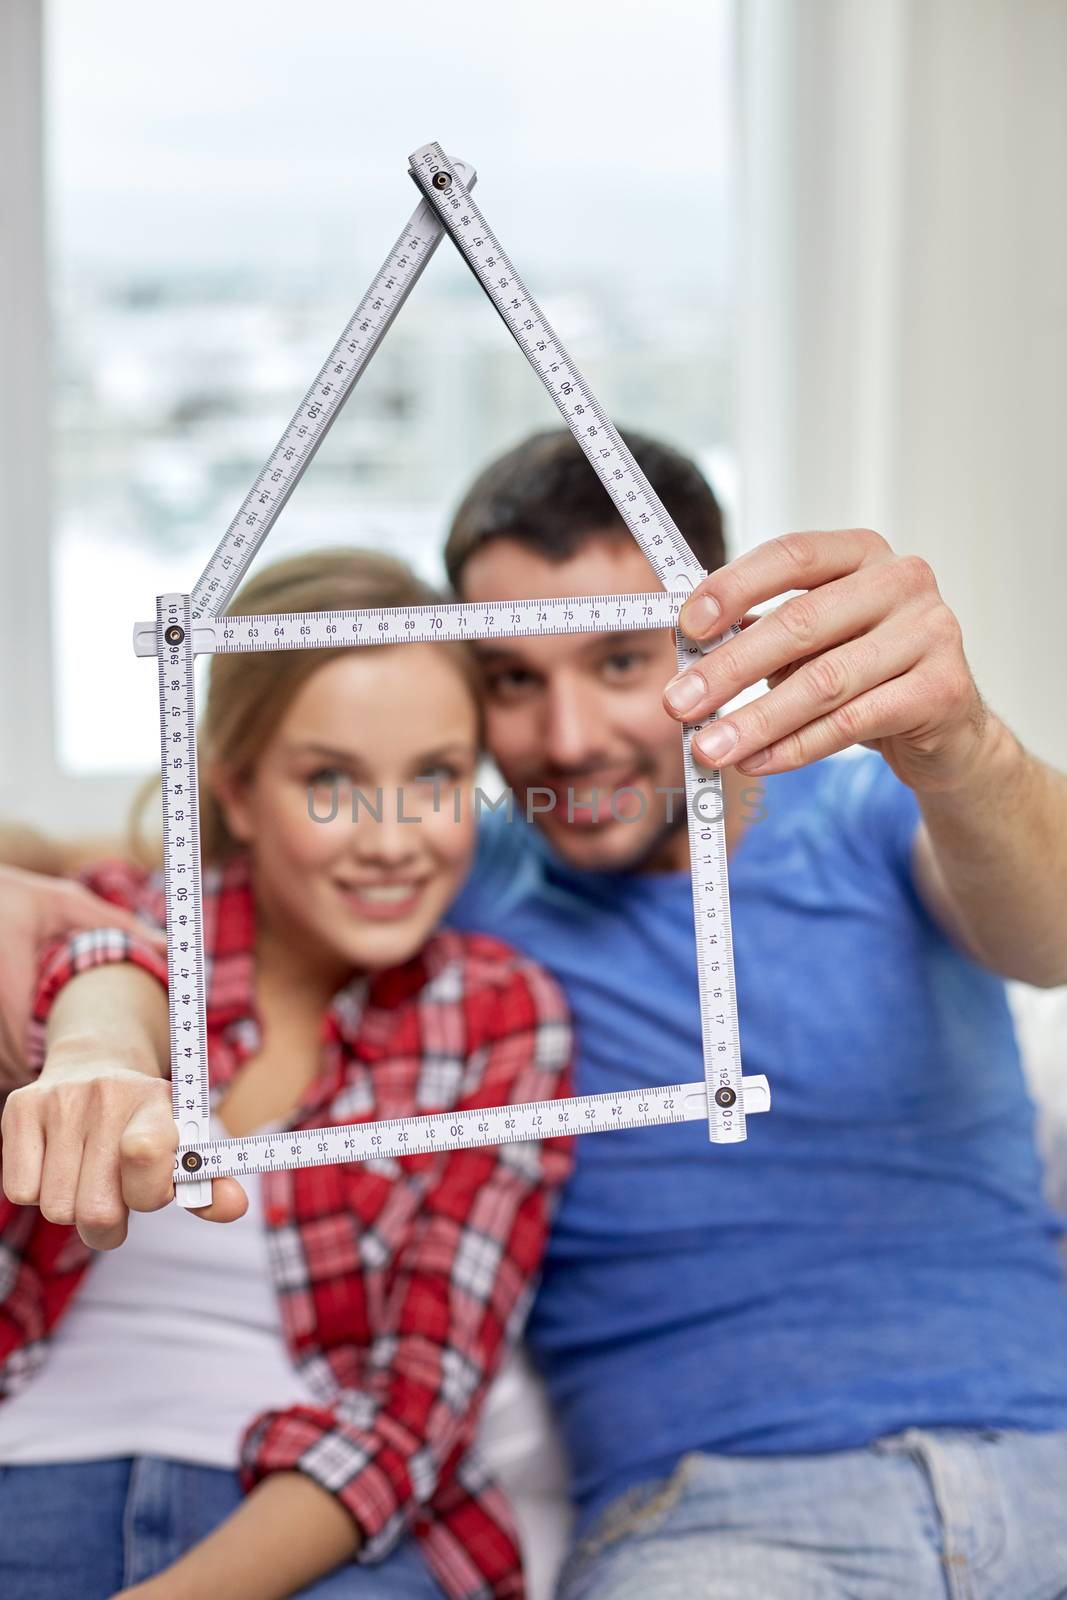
(127,1165)
(100,1213)
(146,1152)
(22,1137)
(228,1202)
(64,1140)
(90,1142)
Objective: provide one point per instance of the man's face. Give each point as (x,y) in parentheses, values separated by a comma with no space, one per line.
(581,715)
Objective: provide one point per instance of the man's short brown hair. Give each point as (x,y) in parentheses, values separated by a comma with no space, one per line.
(544,494)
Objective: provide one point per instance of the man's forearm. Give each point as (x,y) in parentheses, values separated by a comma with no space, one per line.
(283,1536)
(1000,845)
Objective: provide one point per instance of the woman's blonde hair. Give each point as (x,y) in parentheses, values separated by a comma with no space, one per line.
(249,691)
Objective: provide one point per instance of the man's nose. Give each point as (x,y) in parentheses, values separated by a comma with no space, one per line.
(574,729)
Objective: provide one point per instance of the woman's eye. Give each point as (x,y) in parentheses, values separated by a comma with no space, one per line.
(440,771)
(327,775)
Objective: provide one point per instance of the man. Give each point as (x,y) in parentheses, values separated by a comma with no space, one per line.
(833,1360)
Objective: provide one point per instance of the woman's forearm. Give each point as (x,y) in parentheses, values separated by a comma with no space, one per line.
(283,1536)
(117,1011)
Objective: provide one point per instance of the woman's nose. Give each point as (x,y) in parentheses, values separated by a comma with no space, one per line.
(389,833)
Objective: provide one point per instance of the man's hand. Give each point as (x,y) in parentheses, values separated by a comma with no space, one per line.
(94,1139)
(33,909)
(869,654)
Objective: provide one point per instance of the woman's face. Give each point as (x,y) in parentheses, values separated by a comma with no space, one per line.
(391,731)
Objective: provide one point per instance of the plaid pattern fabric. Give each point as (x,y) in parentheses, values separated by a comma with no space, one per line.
(400,1282)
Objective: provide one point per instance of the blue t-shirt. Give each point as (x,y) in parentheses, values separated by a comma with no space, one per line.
(877,1254)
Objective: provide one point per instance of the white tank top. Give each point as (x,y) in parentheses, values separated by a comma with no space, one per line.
(112,1382)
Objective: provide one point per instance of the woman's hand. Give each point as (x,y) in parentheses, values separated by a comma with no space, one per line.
(90,1139)
(34,908)
(94,1139)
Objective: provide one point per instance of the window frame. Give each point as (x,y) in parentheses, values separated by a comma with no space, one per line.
(33,786)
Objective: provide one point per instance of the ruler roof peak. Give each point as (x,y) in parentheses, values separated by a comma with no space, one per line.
(186,623)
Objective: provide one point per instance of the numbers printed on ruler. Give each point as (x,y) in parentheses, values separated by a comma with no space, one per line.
(426,624)
(637,504)
(181,870)
(451,1130)
(190,624)
(341,370)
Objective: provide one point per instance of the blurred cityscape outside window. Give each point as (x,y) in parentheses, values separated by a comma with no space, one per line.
(217,207)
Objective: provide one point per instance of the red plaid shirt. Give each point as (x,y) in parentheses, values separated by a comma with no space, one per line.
(400,1282)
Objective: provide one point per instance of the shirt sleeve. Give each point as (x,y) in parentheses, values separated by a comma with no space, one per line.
(63,958)
(460,1289)
(41,1262)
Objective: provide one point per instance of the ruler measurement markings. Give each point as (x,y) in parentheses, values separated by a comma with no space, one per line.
(425,164)
(486,258)
(187,1010)
(471,1128)
(641,611)
(655,533)
(317,411)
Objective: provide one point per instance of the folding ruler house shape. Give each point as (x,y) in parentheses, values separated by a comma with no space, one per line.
(188,624)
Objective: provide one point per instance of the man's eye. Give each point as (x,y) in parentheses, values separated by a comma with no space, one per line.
(622,664)
(510,682)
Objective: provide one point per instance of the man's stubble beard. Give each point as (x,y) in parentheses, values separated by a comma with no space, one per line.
(659,853)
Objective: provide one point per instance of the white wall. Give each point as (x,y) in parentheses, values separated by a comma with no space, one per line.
(903,344)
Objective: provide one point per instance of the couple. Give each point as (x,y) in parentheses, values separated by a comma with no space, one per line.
(831,1361)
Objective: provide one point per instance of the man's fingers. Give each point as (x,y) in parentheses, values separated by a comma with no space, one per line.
(17,975)
(890,707)
(228,1202)
(825,684)
(23,1152)
(77,907)
(795,561)
(146,1154)
(805,625)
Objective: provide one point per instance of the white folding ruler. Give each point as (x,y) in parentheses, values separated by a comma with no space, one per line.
(191,624)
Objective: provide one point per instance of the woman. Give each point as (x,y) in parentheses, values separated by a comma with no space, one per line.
(243,1413)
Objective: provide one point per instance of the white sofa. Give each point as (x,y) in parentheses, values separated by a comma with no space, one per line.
(517,1432)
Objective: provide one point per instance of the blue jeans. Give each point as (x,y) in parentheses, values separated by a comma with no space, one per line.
(945,1514)
(85,1530)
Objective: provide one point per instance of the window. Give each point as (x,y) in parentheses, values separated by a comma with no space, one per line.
(222,183)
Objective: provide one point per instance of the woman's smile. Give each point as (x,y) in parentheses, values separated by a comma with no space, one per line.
(388,900)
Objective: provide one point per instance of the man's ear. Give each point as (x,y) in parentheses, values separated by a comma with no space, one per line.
(231,794)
